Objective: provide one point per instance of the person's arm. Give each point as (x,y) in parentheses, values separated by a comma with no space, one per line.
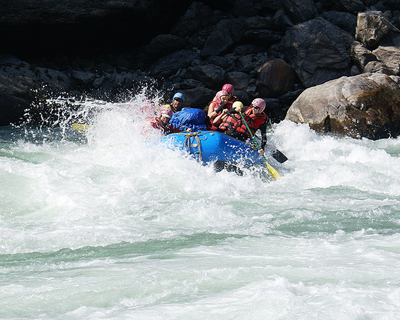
(263,130)
(211,113)
(220,117)
(237,110)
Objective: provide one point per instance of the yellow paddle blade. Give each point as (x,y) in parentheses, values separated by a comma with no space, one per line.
(273,172)
(80,126)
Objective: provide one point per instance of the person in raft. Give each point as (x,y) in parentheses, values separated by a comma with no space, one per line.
(216,108)
(255,117)
(162,121)
(148,108)
(229,88)
(177,102)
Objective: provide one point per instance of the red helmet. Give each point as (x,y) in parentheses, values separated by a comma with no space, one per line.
(258,102)
(228,88)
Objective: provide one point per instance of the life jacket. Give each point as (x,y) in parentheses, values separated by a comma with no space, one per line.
(209,121)
(217,105)
(234,123)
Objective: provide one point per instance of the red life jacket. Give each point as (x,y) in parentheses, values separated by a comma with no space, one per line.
(234,122)
(210,122)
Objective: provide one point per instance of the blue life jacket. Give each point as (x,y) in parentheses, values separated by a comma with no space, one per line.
(192,118)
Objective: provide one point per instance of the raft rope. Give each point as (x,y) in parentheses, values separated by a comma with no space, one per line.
(188,144)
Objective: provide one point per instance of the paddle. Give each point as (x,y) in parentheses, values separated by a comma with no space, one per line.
(80,126)
(271,170)
(279,156)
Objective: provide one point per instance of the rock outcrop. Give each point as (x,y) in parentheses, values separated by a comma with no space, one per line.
(266,48)
(367,105)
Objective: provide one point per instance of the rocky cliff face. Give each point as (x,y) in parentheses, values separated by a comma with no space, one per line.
(274,49)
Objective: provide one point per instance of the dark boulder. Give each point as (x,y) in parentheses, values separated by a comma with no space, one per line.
(343,20)
(164,44)
(318,51)
(223,37)
(275,78)
(198,16)
(209,74)
(300,10)
(198,97)
(20,83)
(170,64)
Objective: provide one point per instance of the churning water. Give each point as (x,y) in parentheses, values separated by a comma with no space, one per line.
(103,224)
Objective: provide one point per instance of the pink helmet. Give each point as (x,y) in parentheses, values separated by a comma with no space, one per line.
(228,88)
(258,102)
(166,110)
(219,95)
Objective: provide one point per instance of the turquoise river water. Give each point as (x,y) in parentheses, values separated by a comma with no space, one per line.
(100,224)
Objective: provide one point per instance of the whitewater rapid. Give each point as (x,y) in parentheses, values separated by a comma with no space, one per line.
(104,224)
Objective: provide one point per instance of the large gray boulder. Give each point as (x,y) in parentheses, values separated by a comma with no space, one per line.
(367,105)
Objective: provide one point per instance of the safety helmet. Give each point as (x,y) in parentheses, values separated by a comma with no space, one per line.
(178,95)
(237,104)
(258,102)
(220,94)
(228,88)
(166,111)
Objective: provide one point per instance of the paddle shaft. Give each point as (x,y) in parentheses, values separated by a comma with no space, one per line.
(271,170)
(80,126)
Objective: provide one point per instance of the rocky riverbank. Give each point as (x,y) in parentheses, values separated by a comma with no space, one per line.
(277,50)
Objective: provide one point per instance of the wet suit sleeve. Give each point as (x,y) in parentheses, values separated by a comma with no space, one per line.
(234,111)
(263,130)
(221,107)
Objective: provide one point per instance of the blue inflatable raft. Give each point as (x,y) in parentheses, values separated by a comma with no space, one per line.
(215,147)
